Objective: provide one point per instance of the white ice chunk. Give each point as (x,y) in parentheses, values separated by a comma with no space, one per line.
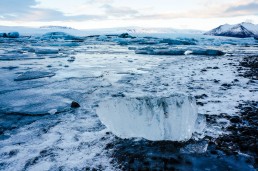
(153,118)
(188,52)
(52,111)
(30,75)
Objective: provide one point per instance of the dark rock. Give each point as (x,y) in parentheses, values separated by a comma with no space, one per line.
(120,94)
(251,67)
(235,120)
(226,85)
(214,152)
(200,103)
(216,81)
(243,132)
(201,96)
(75,105)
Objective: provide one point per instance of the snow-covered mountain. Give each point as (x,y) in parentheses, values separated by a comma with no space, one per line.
(141,30)
(241,30)
(27,31)
(56,27)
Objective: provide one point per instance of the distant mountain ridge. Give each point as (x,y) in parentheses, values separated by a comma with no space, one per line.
(242,30)
(160,30)
(57,27)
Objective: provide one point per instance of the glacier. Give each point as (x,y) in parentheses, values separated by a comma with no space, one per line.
(153,118)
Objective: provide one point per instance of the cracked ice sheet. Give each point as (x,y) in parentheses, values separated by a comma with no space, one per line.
(59,141)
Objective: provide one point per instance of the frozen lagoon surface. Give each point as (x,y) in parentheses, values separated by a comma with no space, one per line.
(41,76)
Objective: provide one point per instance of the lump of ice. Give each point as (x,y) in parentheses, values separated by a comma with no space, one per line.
(46,51)
(178,51)
(153,118)
(177,42)
(121,41)
(160,51)
(207,52)
(68,44)
(3,35)
(12,57)
(125,35)
(13,35)
(59,35)
(30,75)
(52,111)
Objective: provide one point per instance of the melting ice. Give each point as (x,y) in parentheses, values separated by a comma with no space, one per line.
(153,118)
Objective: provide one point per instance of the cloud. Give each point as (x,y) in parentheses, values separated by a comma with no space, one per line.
(100,1)
(213,11)
(16,6)
(244,9)
(53,15)
(119,11)
(26,11)
(85,10)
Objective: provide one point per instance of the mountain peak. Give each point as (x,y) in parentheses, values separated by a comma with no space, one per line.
(241,30)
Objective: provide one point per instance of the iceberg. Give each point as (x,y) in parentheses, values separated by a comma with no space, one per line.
(125,35)
(153,118)
(3,35)
(178,42)
(60,35)
(178,51)
(44,51)
(13,35)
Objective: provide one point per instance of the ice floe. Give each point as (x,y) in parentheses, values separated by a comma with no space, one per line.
(46,51)
(178,51)
(30,75)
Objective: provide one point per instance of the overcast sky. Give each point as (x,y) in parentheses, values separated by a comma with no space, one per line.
(83,14)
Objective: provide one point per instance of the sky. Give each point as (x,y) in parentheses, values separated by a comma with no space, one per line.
(91,14)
